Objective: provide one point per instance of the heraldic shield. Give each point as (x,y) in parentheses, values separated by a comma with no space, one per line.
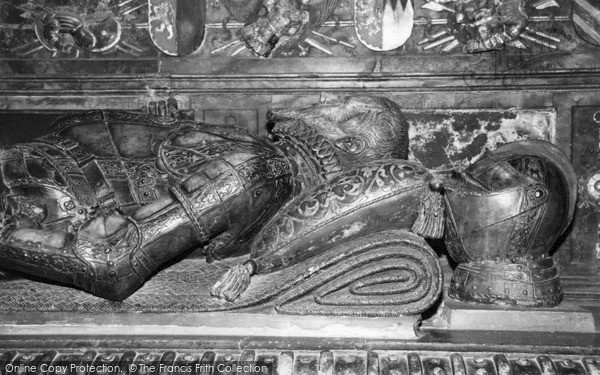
(177,26)
(383,25)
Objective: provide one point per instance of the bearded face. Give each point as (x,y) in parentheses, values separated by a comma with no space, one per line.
(361,129)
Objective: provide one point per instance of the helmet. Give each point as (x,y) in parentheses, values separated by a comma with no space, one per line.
(504,214)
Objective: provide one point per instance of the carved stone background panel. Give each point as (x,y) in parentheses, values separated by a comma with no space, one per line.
(241,118)
(440,138)
(585,242)
(446,138)
(28,47)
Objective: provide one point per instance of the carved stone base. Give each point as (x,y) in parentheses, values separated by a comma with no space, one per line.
(523,283)
(462,316)
(263,323)
(217,361)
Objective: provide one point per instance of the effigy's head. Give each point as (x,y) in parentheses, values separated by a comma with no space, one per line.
(361,128)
